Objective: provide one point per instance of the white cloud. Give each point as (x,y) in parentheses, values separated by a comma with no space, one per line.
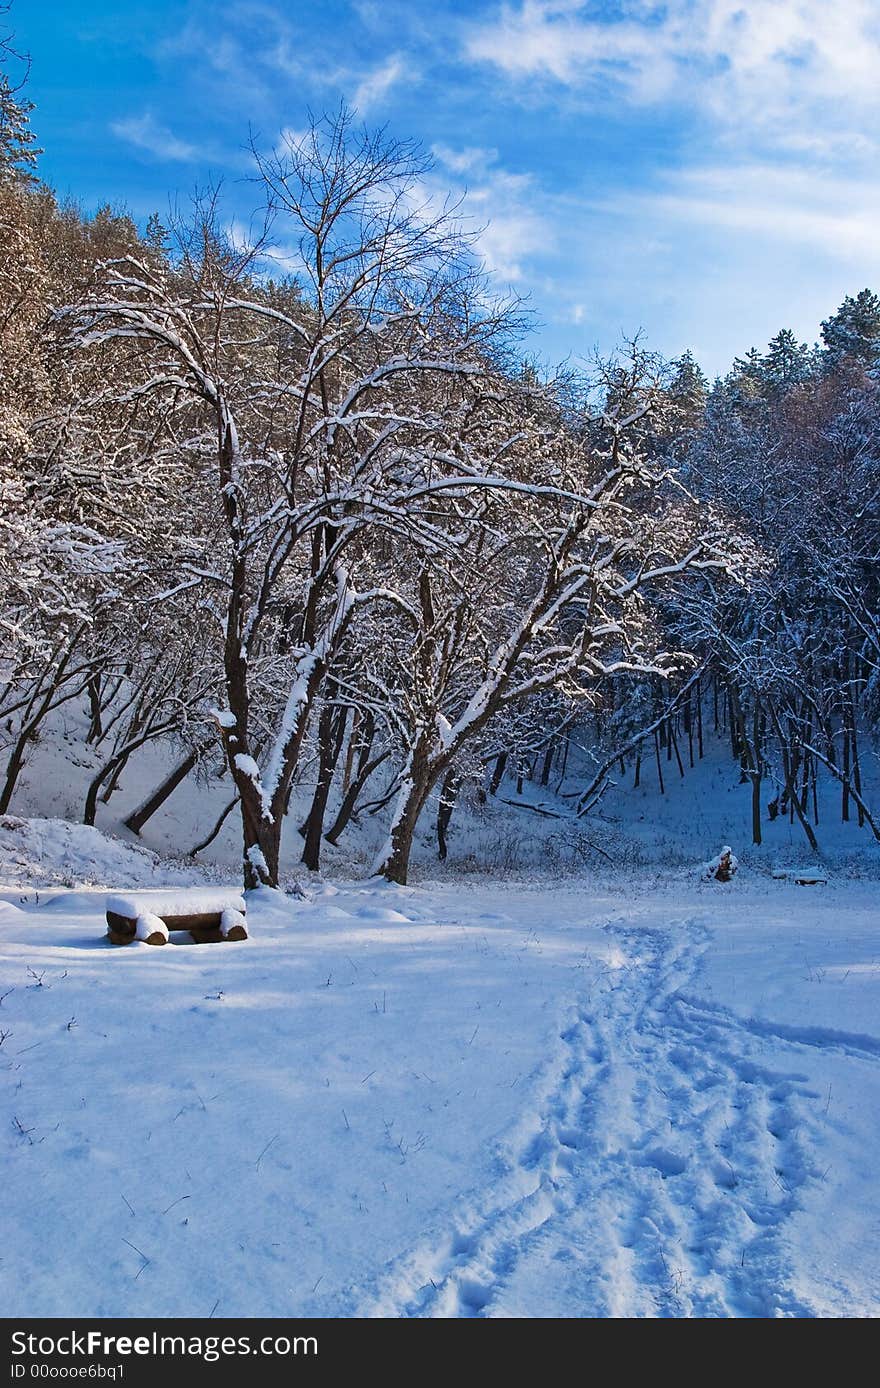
(505,210)
(835,215)
(471,159)
(717,258)
(512,230)
(555,40)
(144,132)
(375,86)
(744,61)
(782,99)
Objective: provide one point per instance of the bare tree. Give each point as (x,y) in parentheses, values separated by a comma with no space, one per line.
(333,404)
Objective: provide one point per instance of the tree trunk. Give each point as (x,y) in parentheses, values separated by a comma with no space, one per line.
(564,765)
(498,773)
(673,743)
(262,847)
(689,729)
(139,816)
(113,780)
(856,768)
(114,766)
(349,800)
(659,764)
(790,774)
(14,767)
(37,709)
(448,796)
(756,772)
(756,808)
(221,820)
(393,861)
(832,767)
(349,751)
(548,762)
(96,729)
(328,752)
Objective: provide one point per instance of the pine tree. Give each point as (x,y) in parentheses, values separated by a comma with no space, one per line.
(786,363)
(747,376)
(854,330)
(688,390)
(18,150)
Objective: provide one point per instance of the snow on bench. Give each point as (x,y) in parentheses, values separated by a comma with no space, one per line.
(207,913)
(804,877)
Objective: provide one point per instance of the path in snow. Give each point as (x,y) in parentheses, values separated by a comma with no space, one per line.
(661,1179)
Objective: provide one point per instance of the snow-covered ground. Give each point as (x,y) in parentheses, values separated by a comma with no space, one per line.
(635,1095)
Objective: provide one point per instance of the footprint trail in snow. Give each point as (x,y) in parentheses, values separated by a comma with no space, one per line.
(657,1179)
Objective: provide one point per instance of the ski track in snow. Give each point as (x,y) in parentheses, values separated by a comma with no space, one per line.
(658,1177)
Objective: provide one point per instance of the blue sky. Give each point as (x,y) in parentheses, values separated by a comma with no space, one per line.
(705,170)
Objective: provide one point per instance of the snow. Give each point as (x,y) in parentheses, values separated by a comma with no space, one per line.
(54,852)
(645,1095)
(178,902)
(147,927)
(257,859)
(249,768)
(229,919)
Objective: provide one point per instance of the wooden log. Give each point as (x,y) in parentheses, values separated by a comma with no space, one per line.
(233,925)
(155,937)
(120,930)
(197,920)
(116,938)
(803,877)
(204,935)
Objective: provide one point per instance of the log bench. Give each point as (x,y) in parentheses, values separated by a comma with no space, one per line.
(804,877)
(209,915)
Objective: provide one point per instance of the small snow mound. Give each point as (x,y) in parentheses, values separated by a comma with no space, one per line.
(381,913)
(73,903)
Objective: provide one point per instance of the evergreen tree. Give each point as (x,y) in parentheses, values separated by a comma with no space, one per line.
(854,330)
(18,150)
(688,390)
(786,363)
(747,376)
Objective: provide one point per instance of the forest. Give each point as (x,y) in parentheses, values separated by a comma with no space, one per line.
(303,507)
